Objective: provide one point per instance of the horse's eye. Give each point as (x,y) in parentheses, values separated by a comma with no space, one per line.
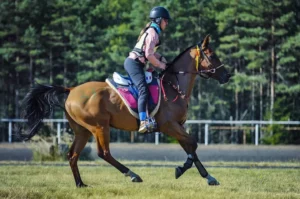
(212,56)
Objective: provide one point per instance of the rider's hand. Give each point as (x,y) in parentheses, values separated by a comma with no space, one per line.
(163,59)
(162,65)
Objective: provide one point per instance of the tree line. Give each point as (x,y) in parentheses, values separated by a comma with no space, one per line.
(69,42)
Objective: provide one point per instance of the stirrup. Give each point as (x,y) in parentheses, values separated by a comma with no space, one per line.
(151,124)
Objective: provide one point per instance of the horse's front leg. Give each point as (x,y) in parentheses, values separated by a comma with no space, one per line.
(210,180)
(193,158)
(190,160)
(189,144)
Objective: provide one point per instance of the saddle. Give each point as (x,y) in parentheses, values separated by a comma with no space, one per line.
(128,92)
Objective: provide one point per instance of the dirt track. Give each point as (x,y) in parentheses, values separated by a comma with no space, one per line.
(173,152)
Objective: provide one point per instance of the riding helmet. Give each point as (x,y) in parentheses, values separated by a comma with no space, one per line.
(159,12)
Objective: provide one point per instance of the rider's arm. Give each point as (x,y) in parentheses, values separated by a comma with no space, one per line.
(150,42)
(157,55)
(160,57)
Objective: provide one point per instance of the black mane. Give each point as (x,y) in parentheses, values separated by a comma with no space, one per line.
(178,56)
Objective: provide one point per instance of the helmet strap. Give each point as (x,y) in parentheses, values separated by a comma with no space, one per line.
(157,20)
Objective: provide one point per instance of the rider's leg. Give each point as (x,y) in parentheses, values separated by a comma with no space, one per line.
(135,70)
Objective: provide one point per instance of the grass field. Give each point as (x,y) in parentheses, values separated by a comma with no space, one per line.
(52,180)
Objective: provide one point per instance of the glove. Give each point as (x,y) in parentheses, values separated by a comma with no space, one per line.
(163,59)
(162,66)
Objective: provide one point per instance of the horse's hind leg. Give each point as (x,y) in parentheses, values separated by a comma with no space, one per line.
(102,137)
(81,137)
(73,155)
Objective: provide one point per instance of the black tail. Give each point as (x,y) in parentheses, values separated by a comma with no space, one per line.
(38,104)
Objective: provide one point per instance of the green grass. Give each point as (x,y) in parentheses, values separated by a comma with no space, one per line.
(20,180)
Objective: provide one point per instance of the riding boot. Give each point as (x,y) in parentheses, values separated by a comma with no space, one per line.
(143,127)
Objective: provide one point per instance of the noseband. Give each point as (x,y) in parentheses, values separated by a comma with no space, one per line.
(208,73)
(204,57)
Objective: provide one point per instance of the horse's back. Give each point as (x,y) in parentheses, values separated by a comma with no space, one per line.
(81,94)
(89,86)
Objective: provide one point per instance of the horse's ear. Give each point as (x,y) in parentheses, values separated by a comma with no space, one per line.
(205,42)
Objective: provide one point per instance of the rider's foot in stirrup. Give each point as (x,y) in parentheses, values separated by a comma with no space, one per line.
(143,127)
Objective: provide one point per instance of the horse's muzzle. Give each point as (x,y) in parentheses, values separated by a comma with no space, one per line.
(225,78)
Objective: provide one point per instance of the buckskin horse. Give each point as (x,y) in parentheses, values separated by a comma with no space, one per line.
(93,107)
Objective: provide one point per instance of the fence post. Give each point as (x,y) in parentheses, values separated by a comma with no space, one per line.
(206,135)
(156,138)
(256,134)
(9,131)
(132,136)
(231,131)
(58,133)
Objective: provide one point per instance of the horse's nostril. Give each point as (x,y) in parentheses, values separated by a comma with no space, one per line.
(229,75)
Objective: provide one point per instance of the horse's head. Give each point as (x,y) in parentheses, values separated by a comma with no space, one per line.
(210,65)
(195,60)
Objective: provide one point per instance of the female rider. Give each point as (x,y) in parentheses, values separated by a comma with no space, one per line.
(143,52)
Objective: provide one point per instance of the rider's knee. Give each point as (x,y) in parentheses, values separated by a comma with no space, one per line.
(143,91)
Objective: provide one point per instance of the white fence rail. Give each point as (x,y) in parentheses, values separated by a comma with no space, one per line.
(205,122)
(11,121)
(241,122)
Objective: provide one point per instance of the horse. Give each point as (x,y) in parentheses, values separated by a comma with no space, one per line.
(93,107)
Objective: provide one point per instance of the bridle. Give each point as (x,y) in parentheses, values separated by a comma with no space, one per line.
(205,73)
(211,69)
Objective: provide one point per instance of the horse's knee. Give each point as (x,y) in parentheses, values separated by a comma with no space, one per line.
(193,143)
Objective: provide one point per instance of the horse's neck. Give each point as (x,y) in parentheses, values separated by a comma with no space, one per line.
(186,63)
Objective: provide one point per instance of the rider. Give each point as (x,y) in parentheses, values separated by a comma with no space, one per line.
(144,51)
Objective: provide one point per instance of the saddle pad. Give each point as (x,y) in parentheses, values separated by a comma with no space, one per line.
(129,95)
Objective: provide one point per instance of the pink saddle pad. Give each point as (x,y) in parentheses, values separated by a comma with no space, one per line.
(132,102)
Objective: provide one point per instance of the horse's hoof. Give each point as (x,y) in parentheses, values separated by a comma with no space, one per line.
(213,182)
(81,185)
(178,172)
(136,179)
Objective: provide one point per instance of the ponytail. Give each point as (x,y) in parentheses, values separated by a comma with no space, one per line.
(144,30)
